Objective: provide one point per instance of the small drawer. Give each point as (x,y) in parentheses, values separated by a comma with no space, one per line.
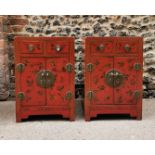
(57,47)
(101,47)
(126,47)
(31,47)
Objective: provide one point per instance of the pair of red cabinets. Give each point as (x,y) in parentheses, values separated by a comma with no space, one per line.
(45,76)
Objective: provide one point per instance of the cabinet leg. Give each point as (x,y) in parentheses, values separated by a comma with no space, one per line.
(87,118)
(72,118)
(18,119)
(139,117)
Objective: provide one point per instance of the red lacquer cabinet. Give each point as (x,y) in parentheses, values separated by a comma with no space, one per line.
(113,76)
(44,76)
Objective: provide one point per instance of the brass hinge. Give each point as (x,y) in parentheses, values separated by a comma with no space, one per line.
(21,96)
(90,95)
(137,66)
(137,94)
(69,67)
(68,95)
(90,67)
(20,67)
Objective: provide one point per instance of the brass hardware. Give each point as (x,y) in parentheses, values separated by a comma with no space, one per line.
(20,67)
(114,78)
(127,48)
(30,47)
(58,48)
(100,47)
(137,66)
(45,79)
(69,95)
(90,67)
(137,94)
(69,67)
(21,96)
(90,95)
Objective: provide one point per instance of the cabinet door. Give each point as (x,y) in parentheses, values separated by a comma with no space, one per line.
(27,70)
(129,69)
(102,93)
(57,93)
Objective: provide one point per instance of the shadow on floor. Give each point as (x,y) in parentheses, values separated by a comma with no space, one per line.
(113,117)
(45,118)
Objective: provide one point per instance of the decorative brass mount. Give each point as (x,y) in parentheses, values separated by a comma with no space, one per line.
(90,67)
(21,96)
(69,67)
(114,78)
(100,47)
(45,79)
(127,48)
(90,95)
(20,67)
(137,66)
(69,95)
(30,47)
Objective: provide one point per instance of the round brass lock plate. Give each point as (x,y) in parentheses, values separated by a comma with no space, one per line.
(45,79)
(114,78)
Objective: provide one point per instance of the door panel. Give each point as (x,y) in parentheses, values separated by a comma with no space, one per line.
(56,94)
(125,93)
(102,93)
(34,95)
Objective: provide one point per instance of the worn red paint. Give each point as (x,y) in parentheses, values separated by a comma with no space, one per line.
(39,53)
(120,54)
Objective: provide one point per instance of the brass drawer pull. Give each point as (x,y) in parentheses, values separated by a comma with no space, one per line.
(100,47)
(58,48)
(30,47)
(127,48)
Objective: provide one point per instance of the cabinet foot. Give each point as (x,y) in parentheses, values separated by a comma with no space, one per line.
(18,119)
(87,118)
(139,117)
(72,118)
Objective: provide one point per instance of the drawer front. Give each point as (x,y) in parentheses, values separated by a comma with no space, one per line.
(102,47)
(57,47)
(126,46)
(31,47)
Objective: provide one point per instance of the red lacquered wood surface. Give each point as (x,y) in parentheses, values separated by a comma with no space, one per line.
(120,54)
(40,54)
